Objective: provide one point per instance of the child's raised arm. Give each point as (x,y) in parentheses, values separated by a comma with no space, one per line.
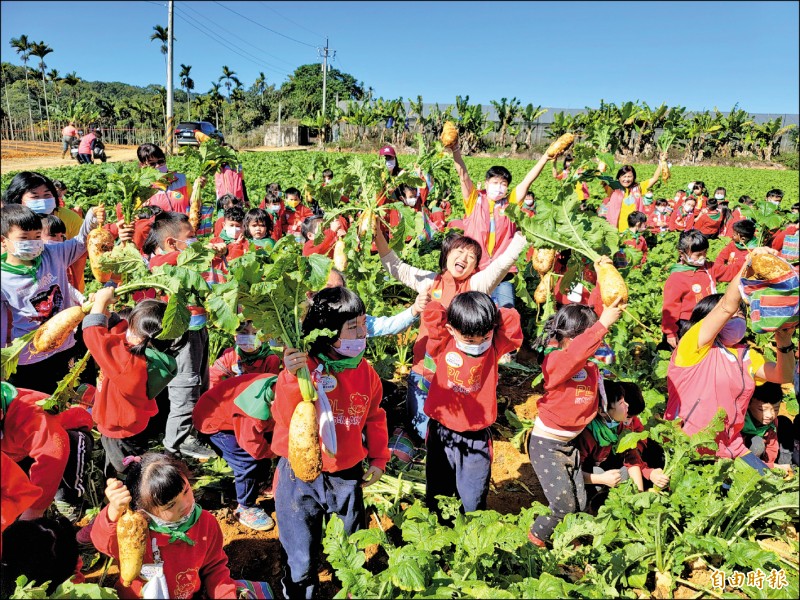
(522,187)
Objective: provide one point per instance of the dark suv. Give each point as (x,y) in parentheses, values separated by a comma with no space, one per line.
(184,132)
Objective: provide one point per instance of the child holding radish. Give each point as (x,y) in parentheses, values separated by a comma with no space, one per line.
(249,355)
(459,271)
(465,342)
(295,213)
(732,257)
(570,402)
(35,287)
(135,368)
(353,390)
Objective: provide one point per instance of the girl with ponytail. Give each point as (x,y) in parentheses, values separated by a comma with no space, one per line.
(134,367)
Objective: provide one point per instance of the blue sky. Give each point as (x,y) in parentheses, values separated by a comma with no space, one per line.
(558,54)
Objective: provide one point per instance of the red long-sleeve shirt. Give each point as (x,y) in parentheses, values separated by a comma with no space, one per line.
(682,291)
(229,364)
(187,569)
(571,383)
(463,390)
(121,406)
(680,221)
(593,454)
(325,247)
(217,411)
(728,262)
(294,219)
(706,224)
(355,397)
(17,493)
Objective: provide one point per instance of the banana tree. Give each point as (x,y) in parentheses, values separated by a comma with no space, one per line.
(562,123)
(507,113)
(699,132)
(647,121)
(768,136)
(530,117)
(734,128)
(415,108)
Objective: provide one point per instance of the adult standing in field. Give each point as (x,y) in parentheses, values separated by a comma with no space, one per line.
(485,219)
(68,135)
(86,147)
(711,356)
(625,195)
(176,195)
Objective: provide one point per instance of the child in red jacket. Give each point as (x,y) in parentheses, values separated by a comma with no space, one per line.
(682,217)
(296,213)
(690,280)
(766,434)
(569,404)
(601,466)
(732,257)
(465,341)
(249,355)
(658,221)
(184,540)
(710,220)
(135,369)
(237,415)
(633,238)
(355,429)
(233,239)
(310,229)
(59,447)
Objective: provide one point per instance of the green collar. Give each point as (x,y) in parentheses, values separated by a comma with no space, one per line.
(602,433)
(748,246)
(339,365)
(161,369)
(682,268)
(750,428)
(20,269)
(256,399)
(179,532)
(264,351)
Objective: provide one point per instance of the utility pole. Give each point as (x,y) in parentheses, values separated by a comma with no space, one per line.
(170,56)
(324,53)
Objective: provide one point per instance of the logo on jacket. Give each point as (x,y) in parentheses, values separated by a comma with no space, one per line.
(696,288)
(328,382)
(580,375)
(453,359)
(436,294)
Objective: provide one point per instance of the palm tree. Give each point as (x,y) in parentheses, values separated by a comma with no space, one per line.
(8,103)
(54,76)
(230,78)
(188,84)
(23,47)
(71,79)
(215,99)
(162,35)
(40,50)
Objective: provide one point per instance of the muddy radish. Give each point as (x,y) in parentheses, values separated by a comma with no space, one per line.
(132,540)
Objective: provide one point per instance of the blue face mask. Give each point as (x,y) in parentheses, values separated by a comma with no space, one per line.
(42,206)
(733,332)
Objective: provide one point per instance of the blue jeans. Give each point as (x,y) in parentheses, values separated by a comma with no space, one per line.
(415,403)
(503,294)
(300,508)
(248,472)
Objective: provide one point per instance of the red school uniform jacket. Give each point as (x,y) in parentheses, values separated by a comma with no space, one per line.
(355,397)
(294,219)
(187,569)
(241,405)
(593,454)
(28,431)
(659,221)
(121,407)
(730,260)
(231,364)
(684,288)
(680,220)
(571,383)
(463,389)
(708,223)
(17,493)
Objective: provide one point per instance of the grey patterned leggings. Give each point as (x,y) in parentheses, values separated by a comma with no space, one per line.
(558,466)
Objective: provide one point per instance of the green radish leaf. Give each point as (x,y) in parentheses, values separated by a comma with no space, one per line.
(176,318)
(222,306)
(10,354)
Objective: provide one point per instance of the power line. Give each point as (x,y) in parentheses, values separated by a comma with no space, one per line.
(290,21)
(263,26)
(235,34)
(230,45)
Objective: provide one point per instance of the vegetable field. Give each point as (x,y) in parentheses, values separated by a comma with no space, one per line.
(718,517)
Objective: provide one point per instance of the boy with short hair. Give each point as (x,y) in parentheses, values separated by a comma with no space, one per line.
(709,220)
(733,256)
(634,238)
(35,286)
(658,222)
(309,230)
(774,196)
(296,213)
(766,434)
(465,342)
(690,280)
(682,218)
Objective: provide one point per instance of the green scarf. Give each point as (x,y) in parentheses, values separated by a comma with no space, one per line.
(339,365)
(748,246)
(20,269)
(256,399)
(602,433)
(161,369)
(7,393)
(179,532)
(264,351)
(750,428)
(681,268)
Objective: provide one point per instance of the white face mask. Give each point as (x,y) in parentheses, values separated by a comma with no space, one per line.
(528,201)
(411,201)
(694,263)
(233,232)
(352,348)
(719,196)
(248,342)
(27,249)
(171,524)
(474,349)
(495,191)
(188,242)
(391,164)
